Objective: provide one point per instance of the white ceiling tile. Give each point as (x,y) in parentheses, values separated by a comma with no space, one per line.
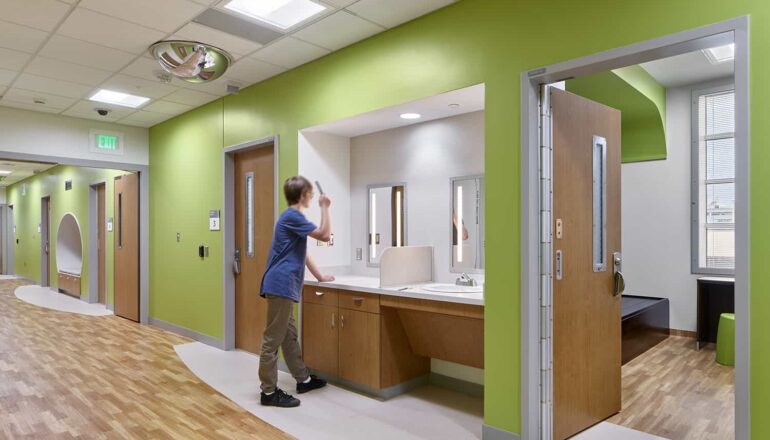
(88,109)
(94,27)
(237,46)
(32,107)
(12,59)
(167,108)
(76,73)
(138,86)
(289,53)
(53,86)
(28,97)
(250,71)
(338,30)
(39,14)
(85,54)
(395,12)
(190,97)
(144,119)
(166,15)
(25,39)
(2,90)
(217,87)
(339,3)
(6,76)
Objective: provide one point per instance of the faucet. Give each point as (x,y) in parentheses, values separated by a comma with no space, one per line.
(465,280)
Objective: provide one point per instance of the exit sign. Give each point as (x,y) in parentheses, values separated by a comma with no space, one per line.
(106,142)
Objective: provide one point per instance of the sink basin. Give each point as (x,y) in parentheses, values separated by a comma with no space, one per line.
(452,288)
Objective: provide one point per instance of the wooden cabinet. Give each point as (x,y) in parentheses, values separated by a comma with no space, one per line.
(320,339)
(69,284)
(359,347)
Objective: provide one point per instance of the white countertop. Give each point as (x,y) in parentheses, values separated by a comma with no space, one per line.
(372,285)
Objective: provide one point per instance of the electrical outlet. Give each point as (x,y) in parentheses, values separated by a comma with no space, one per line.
(359,254)
(319,243)
(178,237)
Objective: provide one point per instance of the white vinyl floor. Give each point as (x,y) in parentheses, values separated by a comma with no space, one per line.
(609,431)
(50,299)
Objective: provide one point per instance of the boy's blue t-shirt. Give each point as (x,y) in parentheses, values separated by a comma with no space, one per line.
(285,272)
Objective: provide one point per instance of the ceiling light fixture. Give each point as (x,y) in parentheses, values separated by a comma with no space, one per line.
(191,61)
(721,54)
(411,116)
(5,173)
(282,14)
(118,98)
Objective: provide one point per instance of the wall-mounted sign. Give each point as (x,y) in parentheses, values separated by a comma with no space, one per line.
(214,220)
(109,224)
(67,184)
(106,142)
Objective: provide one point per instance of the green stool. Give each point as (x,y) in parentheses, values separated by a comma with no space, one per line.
(726,339)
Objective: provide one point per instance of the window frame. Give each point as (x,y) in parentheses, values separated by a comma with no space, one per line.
(695,174)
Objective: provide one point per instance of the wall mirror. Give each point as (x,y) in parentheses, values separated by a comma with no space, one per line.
(467,224)
(386,218)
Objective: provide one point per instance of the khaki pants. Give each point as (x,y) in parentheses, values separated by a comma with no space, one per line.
(280,331)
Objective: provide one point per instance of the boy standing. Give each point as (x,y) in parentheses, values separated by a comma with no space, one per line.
(282,286)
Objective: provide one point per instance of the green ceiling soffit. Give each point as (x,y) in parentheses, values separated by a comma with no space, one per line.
(642,102)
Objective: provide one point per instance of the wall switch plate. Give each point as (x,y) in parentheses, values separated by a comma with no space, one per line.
(359,254)
(178,237)
(319,243)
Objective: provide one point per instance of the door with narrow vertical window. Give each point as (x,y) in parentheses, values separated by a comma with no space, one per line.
(126,232)
(587,281)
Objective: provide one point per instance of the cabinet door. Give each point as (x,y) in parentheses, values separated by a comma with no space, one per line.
(360,347)
(320,341)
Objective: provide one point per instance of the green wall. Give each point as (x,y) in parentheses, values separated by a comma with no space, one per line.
(26,211)
(470,42)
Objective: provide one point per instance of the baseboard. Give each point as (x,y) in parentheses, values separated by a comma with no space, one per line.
(492,433)
(459,385)
(111,307)
(683,333)
(380,394)
(192,334)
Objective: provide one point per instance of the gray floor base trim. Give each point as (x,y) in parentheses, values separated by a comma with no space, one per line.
(110,307)
(459,385)
(381,394)
(492,433)
(192,334)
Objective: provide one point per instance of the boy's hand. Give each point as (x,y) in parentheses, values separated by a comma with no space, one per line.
(324,201)
(326,278)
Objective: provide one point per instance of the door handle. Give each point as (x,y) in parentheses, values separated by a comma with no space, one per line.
(46,247)
(334,319)
(237,261)
(619,283)
(342,321)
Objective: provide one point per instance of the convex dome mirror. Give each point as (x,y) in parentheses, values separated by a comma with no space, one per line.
(191,61)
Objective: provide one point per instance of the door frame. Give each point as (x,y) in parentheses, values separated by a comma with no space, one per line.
(144,211)
(228,225)
(535,209)
(45,231)
(9,242)
(93,237)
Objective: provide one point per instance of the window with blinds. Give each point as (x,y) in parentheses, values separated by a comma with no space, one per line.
(714,190)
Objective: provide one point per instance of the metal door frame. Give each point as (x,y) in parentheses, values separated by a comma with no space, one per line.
(536,247)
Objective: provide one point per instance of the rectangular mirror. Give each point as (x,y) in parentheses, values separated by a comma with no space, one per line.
(467,224)
(386,219)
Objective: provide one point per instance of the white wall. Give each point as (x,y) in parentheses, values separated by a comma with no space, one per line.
(44,134)
(656,219)
(326,158)
(424,156)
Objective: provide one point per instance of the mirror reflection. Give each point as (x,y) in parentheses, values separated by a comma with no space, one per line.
(467,224)
(386,219)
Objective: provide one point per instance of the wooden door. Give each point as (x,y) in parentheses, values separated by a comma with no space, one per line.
(101,243)
(254,217)
(45,241)
(320,337)
(586,313)
(127,246)
(359,356)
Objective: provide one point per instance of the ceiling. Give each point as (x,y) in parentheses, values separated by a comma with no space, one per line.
(456,102)
(687,69)
(62,51)
(20,171)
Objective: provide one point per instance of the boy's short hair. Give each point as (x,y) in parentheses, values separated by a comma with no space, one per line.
(294,188)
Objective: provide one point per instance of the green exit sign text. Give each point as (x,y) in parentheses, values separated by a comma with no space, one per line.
(107,142)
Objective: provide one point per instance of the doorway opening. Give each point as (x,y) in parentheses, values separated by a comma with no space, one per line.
(97,239)
(684,215)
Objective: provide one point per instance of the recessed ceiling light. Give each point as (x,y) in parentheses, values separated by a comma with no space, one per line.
(282,14)
(721,54)
(411,116)
(118,98)
(5,173)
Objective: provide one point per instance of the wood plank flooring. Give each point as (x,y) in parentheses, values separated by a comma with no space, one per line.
(676,392)
(68,376)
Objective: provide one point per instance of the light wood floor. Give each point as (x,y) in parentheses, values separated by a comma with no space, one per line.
(676,392)
(67,376)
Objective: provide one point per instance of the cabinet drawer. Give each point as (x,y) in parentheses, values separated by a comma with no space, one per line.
(320,295)
(365,302)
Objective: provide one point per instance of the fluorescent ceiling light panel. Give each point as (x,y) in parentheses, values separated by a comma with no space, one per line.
(5,173)
(282,14)
(118,98)
(411,116)
(721,54)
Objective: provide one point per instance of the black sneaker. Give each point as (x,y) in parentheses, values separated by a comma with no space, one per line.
(279,399)
(313,384)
